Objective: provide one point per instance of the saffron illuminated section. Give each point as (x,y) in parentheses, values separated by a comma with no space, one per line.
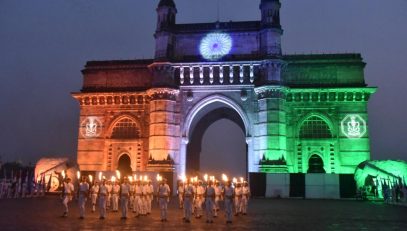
(353,126)
(215,45)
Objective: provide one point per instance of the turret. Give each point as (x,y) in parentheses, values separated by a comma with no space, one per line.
(270,36)
(164,47)
(270,13)
(166,12)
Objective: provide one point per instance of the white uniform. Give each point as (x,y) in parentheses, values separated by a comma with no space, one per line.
(228,192)
(109,195)
(115,197)
(199,199)
(131,198)
(94,195)
(238,199)
(103,195)
(209,203)
(83,194)
(124,198)
(67,196)
(163,194)
(150,192)
(218,198)
(144,199)
(188,199)
(245,199)
(138,191)
(180,192)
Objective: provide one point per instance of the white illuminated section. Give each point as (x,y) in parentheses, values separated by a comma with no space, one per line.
(215,45)
(91,127)
(353,126)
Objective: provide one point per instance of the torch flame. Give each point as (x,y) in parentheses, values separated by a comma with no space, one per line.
(118,174)
(113,179)
(224,177)
(78,174)
(90,178)
(206,177)
(130,178)
(63,174)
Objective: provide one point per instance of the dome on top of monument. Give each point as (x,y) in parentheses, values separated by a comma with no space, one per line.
(169,3)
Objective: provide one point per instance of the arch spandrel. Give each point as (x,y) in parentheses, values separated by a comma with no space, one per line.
(222,101)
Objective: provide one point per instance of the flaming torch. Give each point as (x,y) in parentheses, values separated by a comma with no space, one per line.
(90,178)
(206,177)
(63,174)
(113,179)
(224,177)
(78,175)
(118,174)
(130,179)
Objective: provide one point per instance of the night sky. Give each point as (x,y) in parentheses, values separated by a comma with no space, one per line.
(44,44)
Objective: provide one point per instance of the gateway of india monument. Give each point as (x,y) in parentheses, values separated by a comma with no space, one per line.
(300,113)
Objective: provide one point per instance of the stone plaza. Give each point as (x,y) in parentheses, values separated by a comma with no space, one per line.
(264,214)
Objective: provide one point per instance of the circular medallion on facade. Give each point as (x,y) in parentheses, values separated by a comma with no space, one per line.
(91,127)
(215,45)
(353,126)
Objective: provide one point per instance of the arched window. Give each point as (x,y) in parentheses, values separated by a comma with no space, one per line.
(315,128)
(125,129)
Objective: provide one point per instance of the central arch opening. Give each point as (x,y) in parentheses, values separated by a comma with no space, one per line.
(217,143)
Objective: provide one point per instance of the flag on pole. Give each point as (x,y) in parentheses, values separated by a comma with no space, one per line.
(49,182)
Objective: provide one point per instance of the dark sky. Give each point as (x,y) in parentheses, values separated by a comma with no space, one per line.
(45,43)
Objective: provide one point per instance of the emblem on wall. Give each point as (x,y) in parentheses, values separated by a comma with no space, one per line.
(353,126)
(91,127)
(215,45)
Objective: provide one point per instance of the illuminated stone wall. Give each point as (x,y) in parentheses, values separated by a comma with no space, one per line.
(300,113)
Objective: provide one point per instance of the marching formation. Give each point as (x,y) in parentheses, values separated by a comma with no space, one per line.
(196,197)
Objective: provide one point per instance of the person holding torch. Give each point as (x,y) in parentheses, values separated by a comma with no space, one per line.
(228,195)
(83,192)
(163,193)
(67,194)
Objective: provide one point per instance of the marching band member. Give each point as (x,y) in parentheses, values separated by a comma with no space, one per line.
(103,195)
(209,202)
(245,197)
(228,195)
(83,192)
(67,195)
(124,197)
(163,193)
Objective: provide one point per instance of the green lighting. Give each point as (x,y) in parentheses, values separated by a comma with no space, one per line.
(377,173)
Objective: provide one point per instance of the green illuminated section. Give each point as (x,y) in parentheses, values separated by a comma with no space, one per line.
(312,130)
(371,174)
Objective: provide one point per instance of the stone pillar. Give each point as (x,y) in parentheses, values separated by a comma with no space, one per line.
(164,128)
(271,140)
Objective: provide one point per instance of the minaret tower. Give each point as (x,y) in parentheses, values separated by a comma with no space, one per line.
(271,27)
(166,12)
(272,124)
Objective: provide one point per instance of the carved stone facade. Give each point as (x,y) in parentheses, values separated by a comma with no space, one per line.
(299,113)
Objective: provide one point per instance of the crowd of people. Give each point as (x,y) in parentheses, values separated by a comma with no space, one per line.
(13,189)
(195,197)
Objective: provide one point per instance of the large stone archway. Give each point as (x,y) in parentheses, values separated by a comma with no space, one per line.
(195,145)
(200,117)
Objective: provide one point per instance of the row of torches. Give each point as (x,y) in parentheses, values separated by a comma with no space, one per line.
(159,178)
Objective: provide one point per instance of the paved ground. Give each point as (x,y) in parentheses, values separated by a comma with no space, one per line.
(265,214)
